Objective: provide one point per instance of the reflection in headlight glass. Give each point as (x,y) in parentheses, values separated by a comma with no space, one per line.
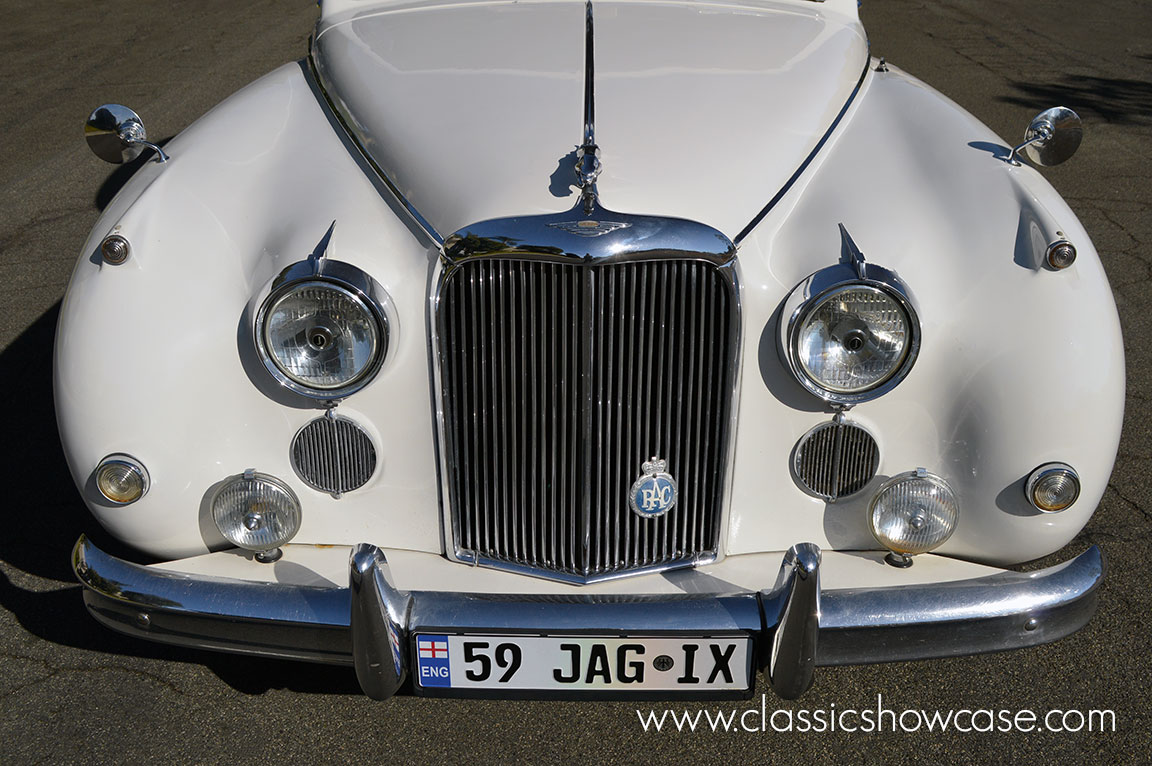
(853,340)
(321,335)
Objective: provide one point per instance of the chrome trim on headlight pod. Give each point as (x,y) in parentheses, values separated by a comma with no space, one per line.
(817,286)
(354,281)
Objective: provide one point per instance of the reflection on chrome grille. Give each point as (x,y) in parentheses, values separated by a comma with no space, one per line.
(559,381)
(835,459)
(333,454)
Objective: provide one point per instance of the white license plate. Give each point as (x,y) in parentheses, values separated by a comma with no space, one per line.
(583,663)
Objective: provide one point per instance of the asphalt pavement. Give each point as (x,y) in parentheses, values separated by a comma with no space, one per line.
(72,692)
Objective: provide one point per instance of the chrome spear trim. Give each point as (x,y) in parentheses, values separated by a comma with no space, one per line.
(853,253)
(588,155)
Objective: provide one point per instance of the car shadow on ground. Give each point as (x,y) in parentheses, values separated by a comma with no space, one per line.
(46,516)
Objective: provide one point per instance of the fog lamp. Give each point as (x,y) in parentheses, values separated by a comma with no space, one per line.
(256,512)
(121,479)
(1052,487)
(911,513)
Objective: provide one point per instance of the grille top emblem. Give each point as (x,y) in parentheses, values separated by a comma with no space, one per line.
(654,493)
(589,228)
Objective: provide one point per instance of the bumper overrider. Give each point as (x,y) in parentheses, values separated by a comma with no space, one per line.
(789,628)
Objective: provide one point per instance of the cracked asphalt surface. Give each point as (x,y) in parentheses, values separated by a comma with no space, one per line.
(71,691)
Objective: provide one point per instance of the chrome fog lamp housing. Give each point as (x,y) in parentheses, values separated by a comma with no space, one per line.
(122,479)
(256,511)
(321,330)
(1052,487)
(850,334)
(913,512)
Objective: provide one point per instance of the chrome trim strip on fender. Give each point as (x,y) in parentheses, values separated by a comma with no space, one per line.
(807,160)
(330,107)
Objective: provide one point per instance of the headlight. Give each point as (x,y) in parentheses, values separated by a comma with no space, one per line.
(256,511)
(852,339)
(324,335)
(851,334)
(912,513)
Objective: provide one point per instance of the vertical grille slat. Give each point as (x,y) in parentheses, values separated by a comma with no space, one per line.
(559,381)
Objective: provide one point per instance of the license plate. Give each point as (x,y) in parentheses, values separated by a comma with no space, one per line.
(584,663)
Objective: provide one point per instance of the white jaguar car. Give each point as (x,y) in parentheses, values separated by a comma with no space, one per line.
(629,348)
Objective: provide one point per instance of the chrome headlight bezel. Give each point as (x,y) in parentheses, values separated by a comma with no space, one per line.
(355,284)
(811,293)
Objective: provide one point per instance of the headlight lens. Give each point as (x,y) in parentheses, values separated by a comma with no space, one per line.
(323,336)
(914,512)
(852,339)
(256,511)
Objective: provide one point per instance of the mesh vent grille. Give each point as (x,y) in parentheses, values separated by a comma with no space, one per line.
(333,455)
(835,460)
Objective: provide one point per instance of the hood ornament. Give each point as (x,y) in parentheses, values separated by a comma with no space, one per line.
(588,154)
(588,232)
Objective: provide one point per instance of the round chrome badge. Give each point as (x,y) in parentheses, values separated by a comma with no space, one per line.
(654,493)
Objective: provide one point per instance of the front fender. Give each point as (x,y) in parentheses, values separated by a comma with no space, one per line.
(1020,364)
(153,357)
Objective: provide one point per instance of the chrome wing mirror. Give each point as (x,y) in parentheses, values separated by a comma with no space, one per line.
(1052,137)
(116,134)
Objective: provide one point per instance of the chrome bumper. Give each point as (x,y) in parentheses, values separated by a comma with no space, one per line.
(794,625)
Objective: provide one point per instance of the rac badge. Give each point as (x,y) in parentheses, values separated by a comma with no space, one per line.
(654,493)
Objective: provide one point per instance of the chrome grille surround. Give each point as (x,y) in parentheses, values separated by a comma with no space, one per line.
(540,441)
(835,460)
(333,454)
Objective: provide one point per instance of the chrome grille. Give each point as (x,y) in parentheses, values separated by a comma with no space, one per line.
(559,380)
(333,454)
(835,459)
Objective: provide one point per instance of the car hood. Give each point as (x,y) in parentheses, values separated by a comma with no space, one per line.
(703,111)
